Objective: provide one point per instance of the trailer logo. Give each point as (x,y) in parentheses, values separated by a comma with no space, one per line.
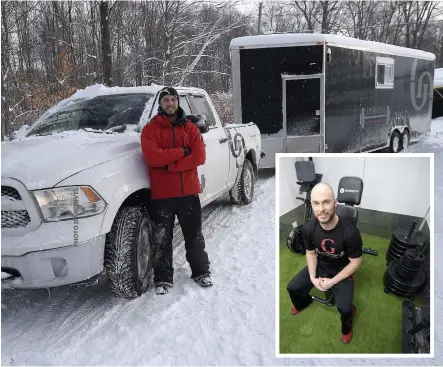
(420,89)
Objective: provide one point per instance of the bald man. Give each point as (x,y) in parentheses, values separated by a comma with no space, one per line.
(333,254)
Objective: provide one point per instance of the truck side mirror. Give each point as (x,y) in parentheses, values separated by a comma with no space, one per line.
(201,121)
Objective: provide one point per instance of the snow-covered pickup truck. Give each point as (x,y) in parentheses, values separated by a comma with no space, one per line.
(75,187)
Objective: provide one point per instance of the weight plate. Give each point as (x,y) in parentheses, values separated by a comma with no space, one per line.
(399,236)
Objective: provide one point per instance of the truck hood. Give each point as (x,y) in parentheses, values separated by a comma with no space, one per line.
(43,161)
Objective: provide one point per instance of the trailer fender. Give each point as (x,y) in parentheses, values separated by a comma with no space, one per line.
(406,138)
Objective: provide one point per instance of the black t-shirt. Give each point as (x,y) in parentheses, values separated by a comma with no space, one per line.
(333,247)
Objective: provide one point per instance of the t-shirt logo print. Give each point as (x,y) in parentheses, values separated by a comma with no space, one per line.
(327,245)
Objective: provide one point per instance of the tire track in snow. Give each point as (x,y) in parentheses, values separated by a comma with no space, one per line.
(243,247)
(91,304)
(33,338)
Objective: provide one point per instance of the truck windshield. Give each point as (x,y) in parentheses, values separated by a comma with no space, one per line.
(112,113)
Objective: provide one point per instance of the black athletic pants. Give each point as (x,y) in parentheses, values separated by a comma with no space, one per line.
(188,211)
(300,286)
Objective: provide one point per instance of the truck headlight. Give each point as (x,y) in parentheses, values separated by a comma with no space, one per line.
(69,203)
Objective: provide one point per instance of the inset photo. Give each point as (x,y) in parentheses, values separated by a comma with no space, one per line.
(355,243)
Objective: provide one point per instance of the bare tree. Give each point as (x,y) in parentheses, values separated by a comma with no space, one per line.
(52,48)
(330,15)
(106,43)
(362,16)
(209,36)
(308,9)
(7,71)
(416,16)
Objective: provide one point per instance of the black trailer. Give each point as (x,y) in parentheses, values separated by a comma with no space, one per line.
(437,104)
(328,93)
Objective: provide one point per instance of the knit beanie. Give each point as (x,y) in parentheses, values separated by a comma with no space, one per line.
(168,91)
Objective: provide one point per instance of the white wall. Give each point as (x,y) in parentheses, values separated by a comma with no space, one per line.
(333,169)
(289,189)
(397,184)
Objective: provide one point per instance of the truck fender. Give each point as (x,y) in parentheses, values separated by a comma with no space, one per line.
(123,193)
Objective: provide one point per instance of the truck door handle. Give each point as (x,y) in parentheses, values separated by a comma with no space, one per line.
(222,140)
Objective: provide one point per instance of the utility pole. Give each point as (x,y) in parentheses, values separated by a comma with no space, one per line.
(259,17)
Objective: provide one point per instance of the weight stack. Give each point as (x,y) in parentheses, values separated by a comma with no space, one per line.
(405,277)
(403,240)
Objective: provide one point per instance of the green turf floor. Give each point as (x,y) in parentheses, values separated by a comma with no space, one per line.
(377,323)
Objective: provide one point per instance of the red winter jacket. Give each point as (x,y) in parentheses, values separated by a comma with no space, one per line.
(172,174)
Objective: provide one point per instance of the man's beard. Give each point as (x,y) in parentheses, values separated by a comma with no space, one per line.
(329,217)
(170,114)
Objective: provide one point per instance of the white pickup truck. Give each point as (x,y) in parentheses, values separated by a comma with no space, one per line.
(75,187)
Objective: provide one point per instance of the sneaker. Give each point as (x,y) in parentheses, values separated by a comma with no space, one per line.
(204,281)
(162,288)
(346,338)
(294,311)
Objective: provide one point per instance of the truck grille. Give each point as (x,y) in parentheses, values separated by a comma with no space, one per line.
(11,193)
(15,218)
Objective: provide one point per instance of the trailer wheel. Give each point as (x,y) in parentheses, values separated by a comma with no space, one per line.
(406,137)
(128,260)
(243,192)
(395,144)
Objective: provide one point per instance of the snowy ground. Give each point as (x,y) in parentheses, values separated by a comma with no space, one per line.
(232,323)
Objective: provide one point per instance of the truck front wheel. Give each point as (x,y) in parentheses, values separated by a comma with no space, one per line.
(243,192)
(128,260)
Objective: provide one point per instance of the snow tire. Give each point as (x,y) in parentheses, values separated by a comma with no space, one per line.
(127,244)
(395,144)
(243,192)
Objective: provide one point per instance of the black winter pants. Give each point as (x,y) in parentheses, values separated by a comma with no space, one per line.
(300,286)
(188,211)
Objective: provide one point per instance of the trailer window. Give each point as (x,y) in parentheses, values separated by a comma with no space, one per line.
(384,75)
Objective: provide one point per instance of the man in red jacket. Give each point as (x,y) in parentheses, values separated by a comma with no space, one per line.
(173,149)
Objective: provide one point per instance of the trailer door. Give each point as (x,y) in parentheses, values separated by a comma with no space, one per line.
(303,115)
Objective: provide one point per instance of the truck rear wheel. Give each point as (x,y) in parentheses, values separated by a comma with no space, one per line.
(128,260)
(243,192)
(395,144)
